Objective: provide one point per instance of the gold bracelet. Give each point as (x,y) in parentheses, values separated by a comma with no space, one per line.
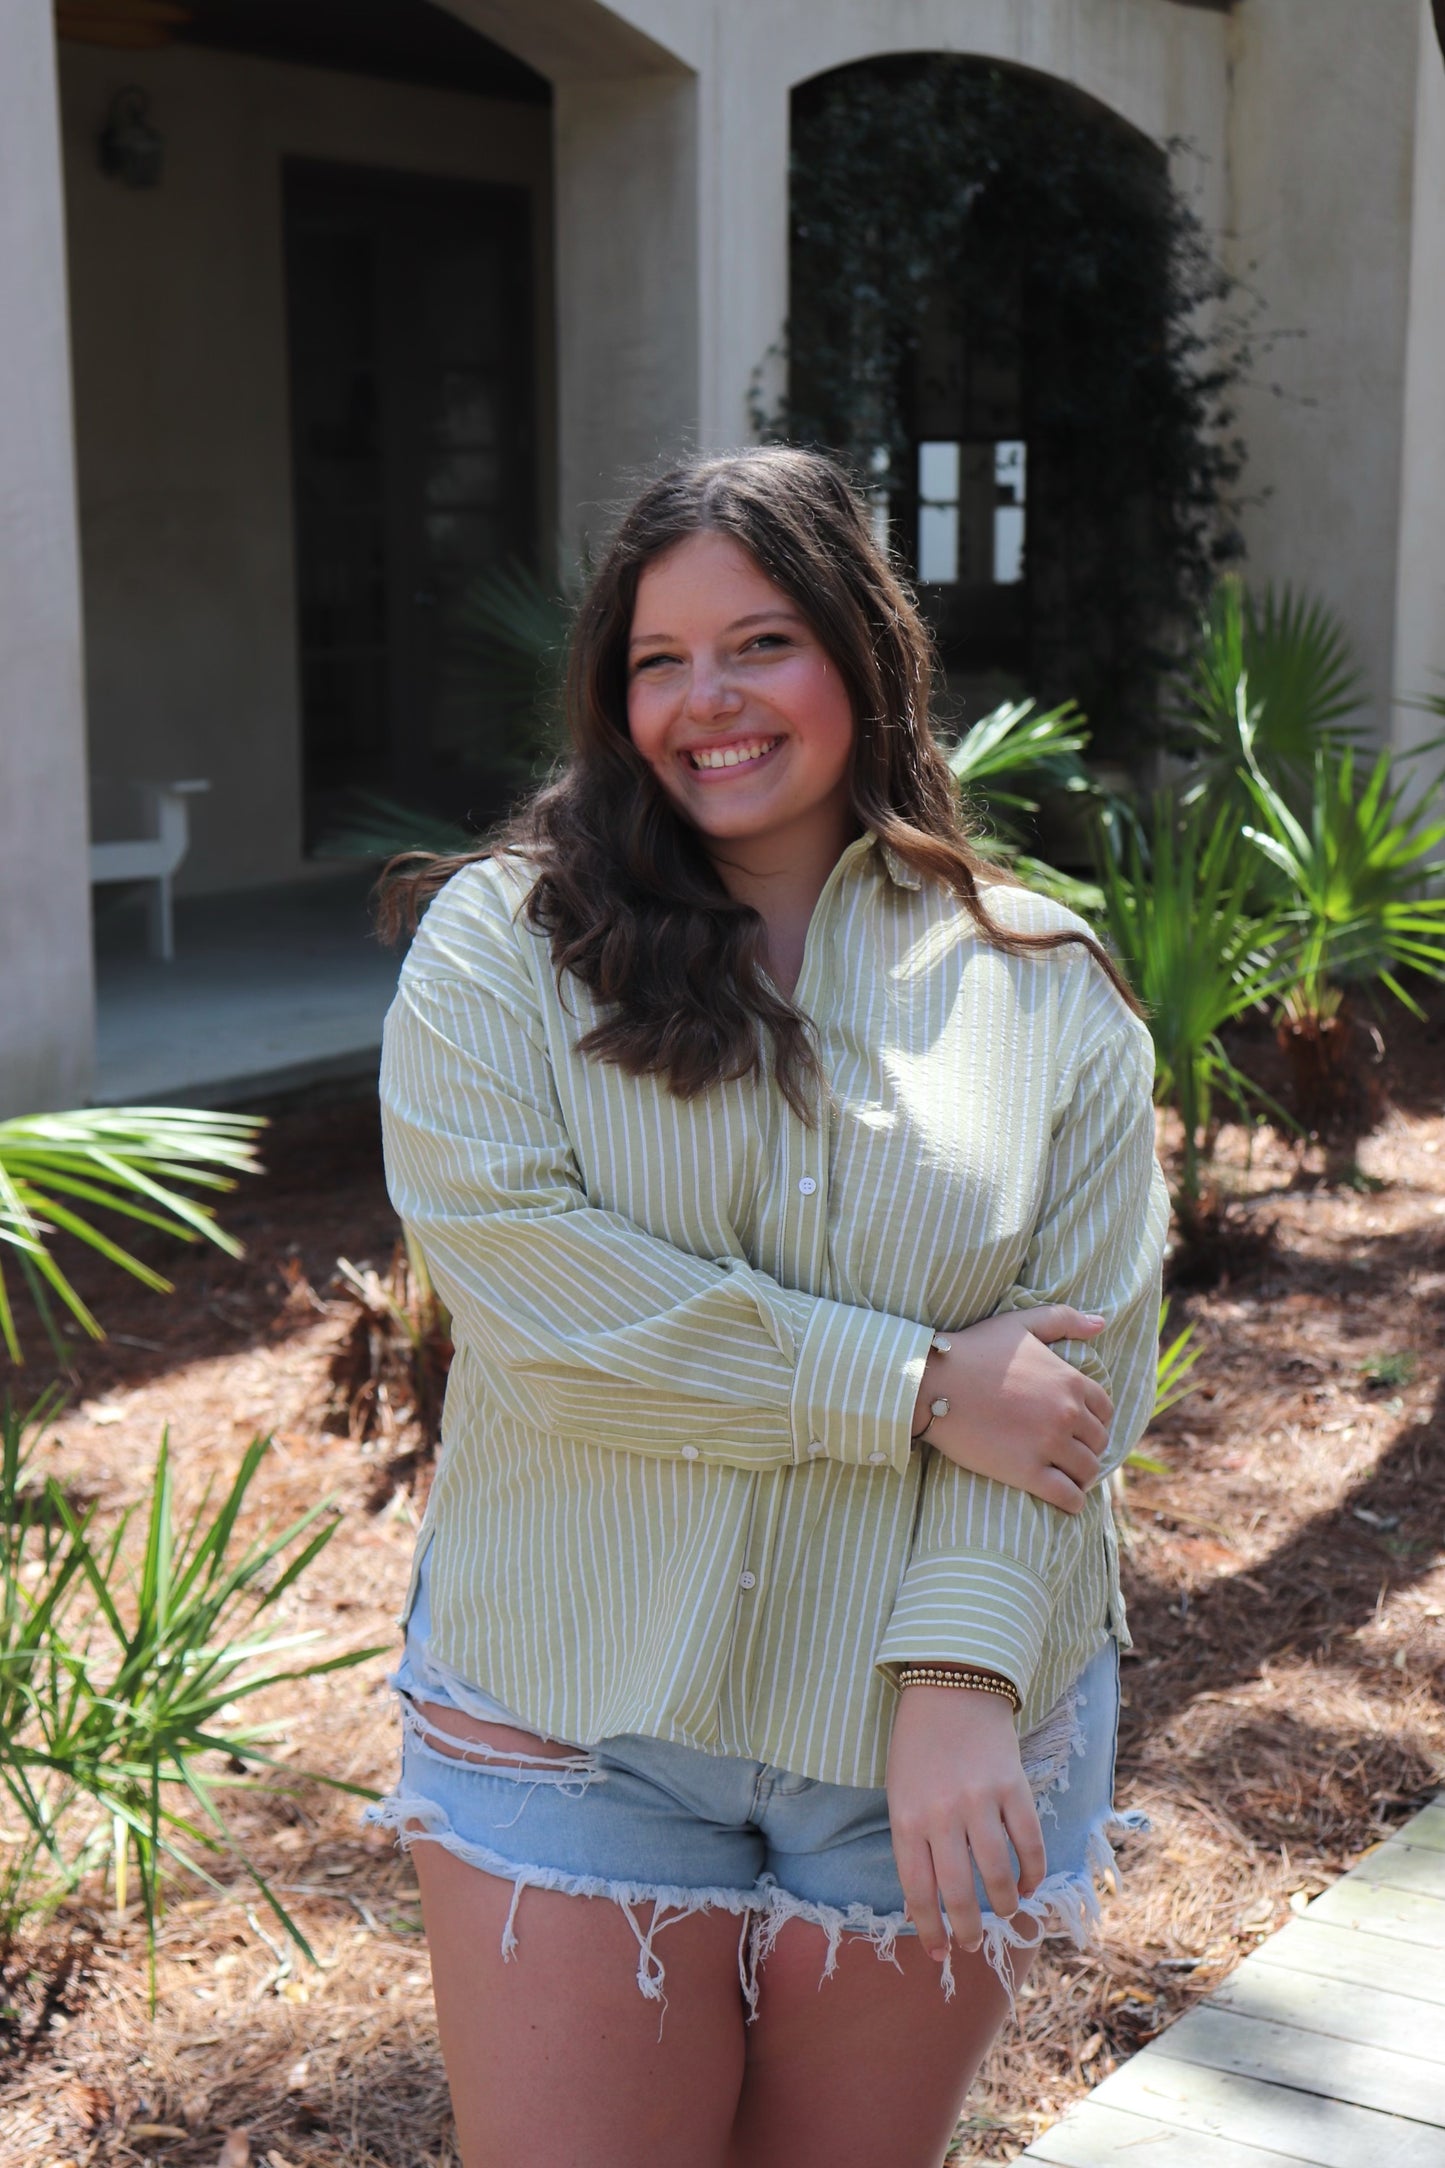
(980,1682)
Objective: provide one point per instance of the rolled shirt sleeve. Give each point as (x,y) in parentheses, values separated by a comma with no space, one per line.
(988,1562)
(591,1328)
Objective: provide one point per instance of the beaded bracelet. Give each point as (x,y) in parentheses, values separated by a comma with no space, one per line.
(980,1682)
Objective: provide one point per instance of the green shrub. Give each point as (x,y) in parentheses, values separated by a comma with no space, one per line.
(1179,919)
(120,1680)
(1354,866)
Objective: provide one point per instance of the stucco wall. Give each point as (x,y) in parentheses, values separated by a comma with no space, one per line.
(178,305)
(45,978)
(1420,601)
(1321,175)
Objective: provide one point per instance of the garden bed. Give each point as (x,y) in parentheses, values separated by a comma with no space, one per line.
(1284,1704)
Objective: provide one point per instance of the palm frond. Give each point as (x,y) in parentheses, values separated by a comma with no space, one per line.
(371,825)
(1014,750)
(1277,669)
(134,1162)
(1180,920)
(1357,865)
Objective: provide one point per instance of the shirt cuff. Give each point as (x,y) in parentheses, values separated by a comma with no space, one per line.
(968,1608)
(856,1386)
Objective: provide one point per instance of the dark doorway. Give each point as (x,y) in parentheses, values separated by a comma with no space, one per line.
(413,436)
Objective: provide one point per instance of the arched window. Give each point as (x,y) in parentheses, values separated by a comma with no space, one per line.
(995,315)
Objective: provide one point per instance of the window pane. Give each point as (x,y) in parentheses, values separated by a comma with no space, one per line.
(1010,474)
(938,479)
(1008,545)
(1010,469)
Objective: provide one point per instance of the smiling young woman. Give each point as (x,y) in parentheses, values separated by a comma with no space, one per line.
(791,1184)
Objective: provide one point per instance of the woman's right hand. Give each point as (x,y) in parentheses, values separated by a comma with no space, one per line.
(1016,1411)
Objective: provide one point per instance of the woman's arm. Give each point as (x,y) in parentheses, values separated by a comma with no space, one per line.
(987,1559)
(590,1327)
(958,1797)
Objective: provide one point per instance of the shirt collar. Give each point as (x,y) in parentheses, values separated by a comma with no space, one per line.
(900,872)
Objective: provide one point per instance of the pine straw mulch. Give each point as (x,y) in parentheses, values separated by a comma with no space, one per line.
(1284,1704)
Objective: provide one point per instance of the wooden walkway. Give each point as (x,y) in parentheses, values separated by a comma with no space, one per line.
(1325,2049)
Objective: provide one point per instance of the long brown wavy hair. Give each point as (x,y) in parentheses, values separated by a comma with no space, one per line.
(624,888)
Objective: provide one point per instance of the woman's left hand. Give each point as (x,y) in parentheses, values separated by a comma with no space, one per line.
(957,1795)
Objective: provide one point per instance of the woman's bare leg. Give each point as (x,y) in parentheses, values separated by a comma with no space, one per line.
(870,2067)
(554,2055)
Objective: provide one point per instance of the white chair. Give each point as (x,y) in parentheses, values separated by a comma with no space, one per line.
(155,857)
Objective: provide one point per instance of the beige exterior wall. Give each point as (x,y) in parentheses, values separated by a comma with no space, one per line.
(181,402)
(46,1021)
(1321,213)
(1420,586)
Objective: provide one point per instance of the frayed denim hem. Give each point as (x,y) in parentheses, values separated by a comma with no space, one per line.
(420,1821)
(1062,1905)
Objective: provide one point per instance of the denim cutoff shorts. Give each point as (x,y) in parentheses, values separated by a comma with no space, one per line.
(648,1823)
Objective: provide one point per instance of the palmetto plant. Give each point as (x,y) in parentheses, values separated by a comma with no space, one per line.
(1198,955)
(1354,865)
(1014,751)
(1274,672)
(511,628)
(507,657)
(1176,1358)
(1001,763)
(120,1677)
(58,1170)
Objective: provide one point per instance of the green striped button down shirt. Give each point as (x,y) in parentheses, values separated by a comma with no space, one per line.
(677,1493)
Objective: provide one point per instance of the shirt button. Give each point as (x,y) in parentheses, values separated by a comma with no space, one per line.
(807,1185)
(689,1452)
(816,1448)
(877,1460)
(747,1580)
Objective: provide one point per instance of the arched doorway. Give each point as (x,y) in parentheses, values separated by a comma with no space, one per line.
(995,314)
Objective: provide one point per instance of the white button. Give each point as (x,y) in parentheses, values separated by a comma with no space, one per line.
(807,1185)
(816,1447)
(689,1452)
(877,1460)
(747,1580)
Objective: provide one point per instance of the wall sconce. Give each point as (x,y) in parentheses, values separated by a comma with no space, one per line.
(131,150)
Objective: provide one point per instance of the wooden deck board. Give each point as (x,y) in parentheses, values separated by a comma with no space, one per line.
(1370,2017)
(1352,1957)
(1325,2049)
(1093,2136)
(1283,2054)
(1275,2118)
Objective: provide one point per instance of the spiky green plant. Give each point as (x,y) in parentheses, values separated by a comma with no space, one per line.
(1014,751)
(374,825)
(512,627)
(506,656)
(1176,1360)
(120,1679)
(1276,669)
(1197,954)
(1355,868)
(58,1170)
